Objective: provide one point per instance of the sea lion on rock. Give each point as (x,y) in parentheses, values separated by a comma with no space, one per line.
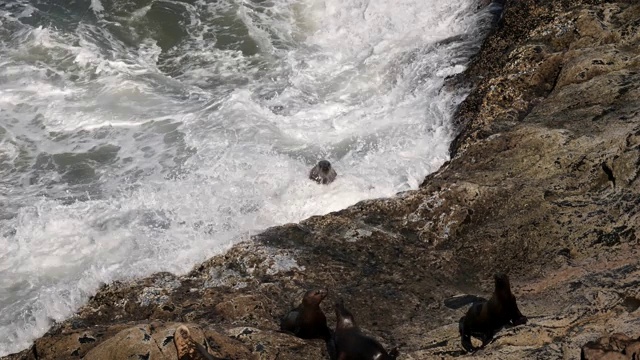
(350,344)
(323,173)
(307,321)
(189,349)
(484,319)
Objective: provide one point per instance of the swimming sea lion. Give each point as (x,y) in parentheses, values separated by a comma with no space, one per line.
(307,321)
(323,173)
(350,344)
(484,319)
(189,349)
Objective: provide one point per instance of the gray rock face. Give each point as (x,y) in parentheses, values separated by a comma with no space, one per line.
(543,185)
(617,346)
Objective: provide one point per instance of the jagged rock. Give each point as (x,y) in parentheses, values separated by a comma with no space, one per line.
(156,341)
(271,344)
(615,347)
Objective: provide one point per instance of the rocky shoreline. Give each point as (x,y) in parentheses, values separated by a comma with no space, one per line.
(543,184)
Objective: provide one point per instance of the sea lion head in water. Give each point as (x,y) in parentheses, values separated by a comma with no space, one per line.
(324,165)
(350,344)
(323,173)
(484,319)
(189,349)
(307,321)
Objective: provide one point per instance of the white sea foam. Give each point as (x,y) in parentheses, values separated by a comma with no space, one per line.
(96,6)
(130,160)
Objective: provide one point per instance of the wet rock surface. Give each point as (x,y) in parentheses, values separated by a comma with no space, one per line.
(543,185)
(616,346)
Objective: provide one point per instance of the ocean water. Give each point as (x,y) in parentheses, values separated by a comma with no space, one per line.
(139,136)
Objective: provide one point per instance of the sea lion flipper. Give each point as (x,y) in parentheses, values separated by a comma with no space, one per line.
(456,302)
(296,330)
(520,321)
(465,337)
(516,316)
(466,343)
(288,322)
(394,353)
(331,176)
(326,333)
(331,349)
(486,340)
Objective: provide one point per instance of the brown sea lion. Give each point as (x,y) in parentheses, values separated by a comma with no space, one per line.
(189,349)
(350,344)
(484,319)
(307,321)
(323,173)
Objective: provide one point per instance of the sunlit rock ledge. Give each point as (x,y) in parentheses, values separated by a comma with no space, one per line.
(543,184)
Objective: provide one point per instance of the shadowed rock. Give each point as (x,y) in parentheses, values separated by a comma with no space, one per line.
(615,347)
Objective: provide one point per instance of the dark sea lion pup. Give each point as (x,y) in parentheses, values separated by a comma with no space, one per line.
(189,349)
(323,173)
(484,319)
(307,321)
(350,344)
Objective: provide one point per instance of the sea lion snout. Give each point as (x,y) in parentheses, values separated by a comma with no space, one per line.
(520,321)
(322,293)
(315,296)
